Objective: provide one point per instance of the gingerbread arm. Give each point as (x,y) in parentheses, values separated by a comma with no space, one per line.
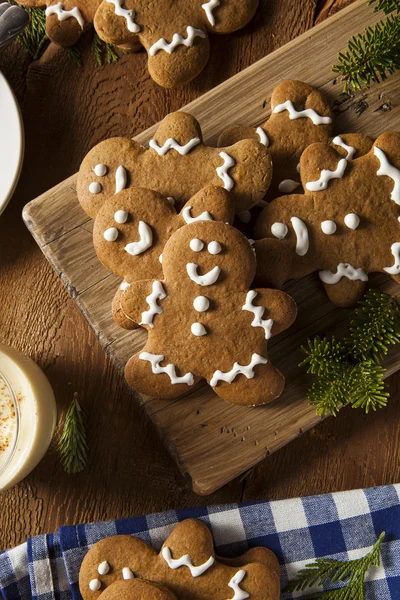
(235,133)
(209,204)
(280,310)
(141,302)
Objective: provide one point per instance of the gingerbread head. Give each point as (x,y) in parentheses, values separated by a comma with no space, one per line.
(187,567)
(174,34)
(301,116)
(345,226)
(204,322)
(176,164)
(133,226)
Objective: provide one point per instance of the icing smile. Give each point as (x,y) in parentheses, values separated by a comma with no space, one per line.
(207,279)
(145,242)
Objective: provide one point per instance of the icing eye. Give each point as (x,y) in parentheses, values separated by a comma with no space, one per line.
(95,585)
(127,573)
(214,248)
(201,303)
(121,216)
(279,230)
(111,234)
(352,221)
(95,187)
(196,245)
(198,329)
(103,568)
(100,170)
(328,227)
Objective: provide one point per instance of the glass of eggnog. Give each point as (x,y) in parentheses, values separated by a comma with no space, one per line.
(27,415)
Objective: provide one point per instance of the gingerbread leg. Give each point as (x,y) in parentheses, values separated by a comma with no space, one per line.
(120,318)
(152,375)
(345,293)
(266,385)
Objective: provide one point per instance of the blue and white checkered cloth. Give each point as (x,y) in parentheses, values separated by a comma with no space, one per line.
(342,525)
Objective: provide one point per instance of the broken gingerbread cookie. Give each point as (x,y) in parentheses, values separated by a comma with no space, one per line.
(174,34)
(345,225)
(186,566)
(176,164)
(205,322)
(301,116)
(133,226)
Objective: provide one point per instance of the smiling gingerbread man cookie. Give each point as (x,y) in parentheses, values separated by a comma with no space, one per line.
(187,567)
(301,116)
(177,164)
(174,34)
(133,226)
(345,226)
(205,322)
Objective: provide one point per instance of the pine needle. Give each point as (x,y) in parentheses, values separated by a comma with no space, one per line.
(387,6)
(103,52)
(75,55)
(72,445)
(330,571)
(349,370)
(34,36)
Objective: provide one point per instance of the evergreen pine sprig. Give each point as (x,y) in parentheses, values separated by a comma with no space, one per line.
(75,55)
(34,37)
(373,55)
(72,445)
(329,570)
(103,52)
(349,370)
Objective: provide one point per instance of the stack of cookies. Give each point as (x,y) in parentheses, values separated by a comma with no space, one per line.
(169,221)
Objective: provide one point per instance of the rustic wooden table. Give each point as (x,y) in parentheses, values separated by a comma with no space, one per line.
(66,111)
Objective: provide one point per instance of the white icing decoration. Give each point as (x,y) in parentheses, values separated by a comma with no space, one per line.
(95,585)
(208,7)
(100,170)
(127,573)
(349,149)
(201,303)
(121,216)
(157,293)
(198,329)
(111,234)
(186,561)
(326,176)
(214,248)
(298,167)
(145,242)
(207,279)
(310,113)
(395,270)
(169,370)
(171,200)
(258,312)
(58,9)
(246,370)
(124,285)
(128,15)
(172,144)
(387,169)
(177,40)
(222,171)
(279,230)
(263,136)
(352,221)
(301,231)
(343,270)
(245,216)
(120,179)
(160,259)
(187,217)
(288,185)
(103,568)
(196,245)
(95,187)
(328,227)
(234,584)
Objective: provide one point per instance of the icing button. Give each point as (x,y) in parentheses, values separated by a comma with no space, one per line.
(95,187)
(201,303)
(198,329)
(111,234)
(95,585)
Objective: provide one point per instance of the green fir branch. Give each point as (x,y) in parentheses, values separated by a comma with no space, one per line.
(349,370)
(103,52)
(75,55)
(326,571)
(72,445)
(34,36)
(387,6)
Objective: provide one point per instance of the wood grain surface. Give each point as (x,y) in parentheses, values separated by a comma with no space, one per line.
(66,111)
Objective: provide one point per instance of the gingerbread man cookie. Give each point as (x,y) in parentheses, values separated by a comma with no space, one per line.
(205,322)
(135,589)
(187,567)
(133,226)
(177,164)
(345,226)
(174,34)
(66,20)
(301,116)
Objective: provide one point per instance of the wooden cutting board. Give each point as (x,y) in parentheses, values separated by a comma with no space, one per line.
(211,440)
